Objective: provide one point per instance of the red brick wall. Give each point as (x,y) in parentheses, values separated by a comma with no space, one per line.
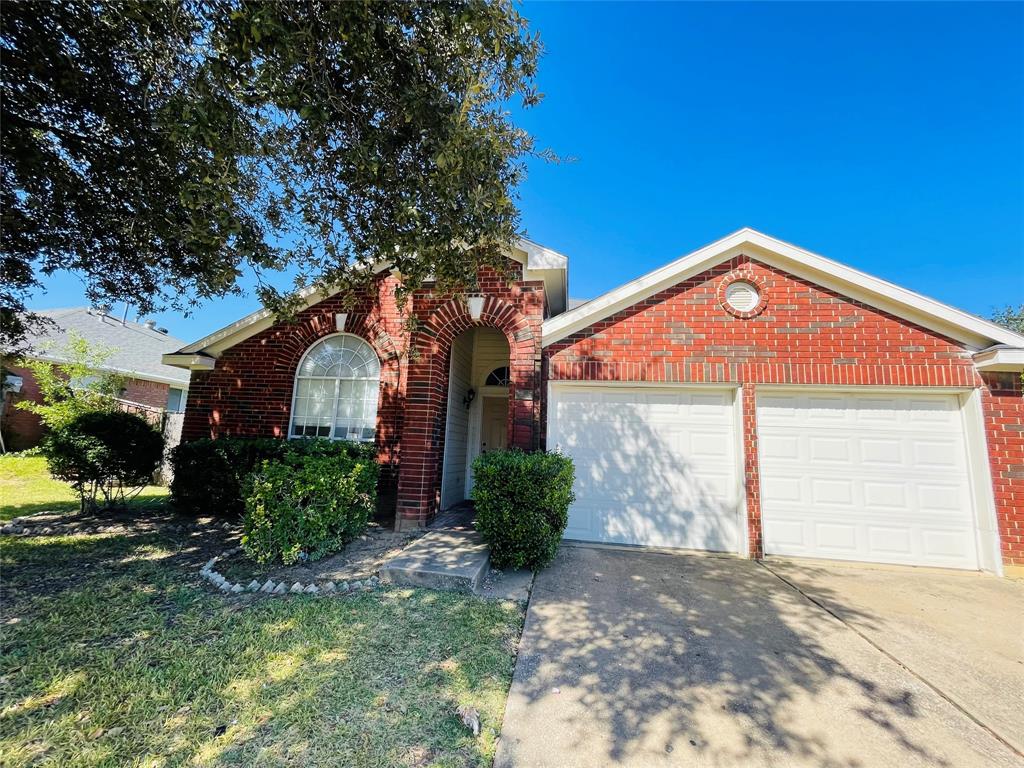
(1003,407)
(24,430)
(151,393)
(249,392)
(517,310)
(802,334)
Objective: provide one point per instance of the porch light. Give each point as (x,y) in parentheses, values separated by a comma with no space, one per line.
(476,306)
(469,397)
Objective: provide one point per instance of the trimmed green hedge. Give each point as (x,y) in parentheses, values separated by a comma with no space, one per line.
(522,505)
(306,506)
(209,473)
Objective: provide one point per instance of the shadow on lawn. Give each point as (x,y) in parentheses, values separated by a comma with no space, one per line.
(116,642)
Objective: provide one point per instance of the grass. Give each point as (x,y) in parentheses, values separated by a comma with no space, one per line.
(114,653)
(26,488)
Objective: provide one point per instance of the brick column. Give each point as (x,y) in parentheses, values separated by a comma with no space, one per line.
(752,472)
(1002,402)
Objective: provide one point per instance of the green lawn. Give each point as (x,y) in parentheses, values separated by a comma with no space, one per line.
(26,487)
(114,653)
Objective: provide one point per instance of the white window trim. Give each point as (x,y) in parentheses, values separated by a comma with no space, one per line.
(337,383)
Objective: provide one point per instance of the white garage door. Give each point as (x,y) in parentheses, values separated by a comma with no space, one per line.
(864,477)
(656,467)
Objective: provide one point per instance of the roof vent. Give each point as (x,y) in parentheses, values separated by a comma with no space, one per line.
(162,330)
(151,324)
(102,310)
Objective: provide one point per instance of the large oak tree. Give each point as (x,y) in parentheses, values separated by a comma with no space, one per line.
(158,148)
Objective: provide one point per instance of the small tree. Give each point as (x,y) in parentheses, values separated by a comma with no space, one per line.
(74,386)
(110,454)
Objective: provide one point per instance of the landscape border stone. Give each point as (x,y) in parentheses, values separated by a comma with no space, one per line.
(271,588)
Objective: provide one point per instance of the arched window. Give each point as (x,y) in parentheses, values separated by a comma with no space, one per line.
(499,377)
(336,388)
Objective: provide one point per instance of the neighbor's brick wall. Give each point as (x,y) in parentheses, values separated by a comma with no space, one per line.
(24,430)
(151,393)
(805,334)
(1003,407)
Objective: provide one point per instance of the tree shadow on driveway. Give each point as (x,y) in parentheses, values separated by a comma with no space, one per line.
(639,658)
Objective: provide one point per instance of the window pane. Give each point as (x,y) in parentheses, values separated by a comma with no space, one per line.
(336,390)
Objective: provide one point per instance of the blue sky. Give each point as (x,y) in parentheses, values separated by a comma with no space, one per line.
(886,136)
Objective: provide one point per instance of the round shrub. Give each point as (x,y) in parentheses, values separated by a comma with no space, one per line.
(306,506)
(522,505)
(104,453)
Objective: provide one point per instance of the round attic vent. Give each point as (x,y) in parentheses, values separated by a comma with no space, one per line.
(742,296)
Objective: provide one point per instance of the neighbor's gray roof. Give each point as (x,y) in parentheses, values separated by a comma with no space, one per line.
(137,349)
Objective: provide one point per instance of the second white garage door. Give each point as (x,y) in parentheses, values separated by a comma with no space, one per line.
(656,467)
(866,477)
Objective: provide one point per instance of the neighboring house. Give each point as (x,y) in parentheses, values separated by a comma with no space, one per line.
(751,397)
(136,349)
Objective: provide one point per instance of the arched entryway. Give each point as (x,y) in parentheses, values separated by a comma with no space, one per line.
(478,408)
(421,473)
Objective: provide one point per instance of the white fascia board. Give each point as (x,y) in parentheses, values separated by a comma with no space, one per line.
(144,376)
(189,361)
(537,257)
(968,329)
(250,325)
(1000,359)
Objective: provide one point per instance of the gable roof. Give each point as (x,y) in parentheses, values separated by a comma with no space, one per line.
(137,349)
(539,263)
(971,331)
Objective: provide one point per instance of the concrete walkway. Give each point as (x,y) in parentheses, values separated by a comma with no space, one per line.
(640,659)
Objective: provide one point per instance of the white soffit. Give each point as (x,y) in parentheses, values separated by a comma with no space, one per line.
(1000,358)
(972,331)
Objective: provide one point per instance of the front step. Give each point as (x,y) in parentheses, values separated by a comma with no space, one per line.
(456,561)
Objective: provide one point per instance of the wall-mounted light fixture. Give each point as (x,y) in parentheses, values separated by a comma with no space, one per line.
(469,397)
(475,304)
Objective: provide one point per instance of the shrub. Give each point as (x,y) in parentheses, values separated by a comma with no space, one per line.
(522,505)
(105,453)
(209,473)
(307,506)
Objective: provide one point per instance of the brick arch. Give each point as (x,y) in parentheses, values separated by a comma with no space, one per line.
(419,481)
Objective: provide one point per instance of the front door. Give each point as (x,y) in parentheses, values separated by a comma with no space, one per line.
(494,424)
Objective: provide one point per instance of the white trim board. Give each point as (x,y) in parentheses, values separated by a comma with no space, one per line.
(539,263)
(972,331)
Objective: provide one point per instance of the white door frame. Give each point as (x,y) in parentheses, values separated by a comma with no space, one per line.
(979,473)
(554,387)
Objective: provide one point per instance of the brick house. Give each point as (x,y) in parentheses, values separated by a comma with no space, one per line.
(750,397)
(150,387)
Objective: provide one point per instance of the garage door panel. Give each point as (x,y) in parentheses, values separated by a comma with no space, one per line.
(653,467)
(902,495)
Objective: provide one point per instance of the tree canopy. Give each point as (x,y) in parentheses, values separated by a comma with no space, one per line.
(1011,317)
(159,148)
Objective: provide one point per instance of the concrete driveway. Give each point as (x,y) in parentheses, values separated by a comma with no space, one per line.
(644,659)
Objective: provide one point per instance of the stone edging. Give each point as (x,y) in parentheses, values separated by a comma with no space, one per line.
(270,587)
(22,526)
